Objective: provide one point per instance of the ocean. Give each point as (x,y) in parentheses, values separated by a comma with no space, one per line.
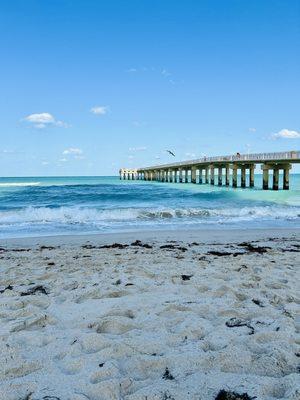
(42,206)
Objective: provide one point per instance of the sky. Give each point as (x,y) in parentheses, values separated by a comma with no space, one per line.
(89,86)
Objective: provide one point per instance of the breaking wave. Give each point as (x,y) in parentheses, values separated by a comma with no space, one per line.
(94,216)
(19,184)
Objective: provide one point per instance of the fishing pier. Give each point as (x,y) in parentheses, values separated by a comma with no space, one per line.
(228,168)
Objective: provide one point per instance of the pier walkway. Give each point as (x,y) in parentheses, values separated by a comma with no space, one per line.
(203,170)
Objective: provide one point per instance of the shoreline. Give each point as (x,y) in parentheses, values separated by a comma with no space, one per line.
(204,236)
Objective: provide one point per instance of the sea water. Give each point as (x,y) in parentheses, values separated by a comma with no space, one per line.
(80,205)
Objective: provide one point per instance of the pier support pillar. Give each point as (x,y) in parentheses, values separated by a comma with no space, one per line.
(234,176)
(275,178)
(186,176)
(193,175)
(243,176)
(265,169)
(170,176)
(227,175)
(200,175)
(180,175)
(212,175)
(220,171)
(286,177)
(251,177)
(206,175)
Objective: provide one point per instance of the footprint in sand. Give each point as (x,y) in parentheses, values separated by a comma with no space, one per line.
(93,342)
(115,325)
(105,371)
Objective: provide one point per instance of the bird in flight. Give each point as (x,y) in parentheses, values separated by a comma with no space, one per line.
(171,152)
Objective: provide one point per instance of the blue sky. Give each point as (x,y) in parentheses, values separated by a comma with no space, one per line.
(90,86)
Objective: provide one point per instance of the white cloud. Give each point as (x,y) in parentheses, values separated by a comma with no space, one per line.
(63,160)
(252,129)
(73,151)
(42,120)
(286,134)
(99,110)
(134,149)
(45,163)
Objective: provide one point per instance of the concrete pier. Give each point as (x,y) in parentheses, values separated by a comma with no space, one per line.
(278,164)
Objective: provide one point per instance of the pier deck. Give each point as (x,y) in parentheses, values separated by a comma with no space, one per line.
(203,170)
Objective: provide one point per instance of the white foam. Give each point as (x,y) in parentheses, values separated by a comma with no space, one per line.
(17,184)
(93,216)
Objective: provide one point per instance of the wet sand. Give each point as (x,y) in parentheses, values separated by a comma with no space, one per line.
(152,315)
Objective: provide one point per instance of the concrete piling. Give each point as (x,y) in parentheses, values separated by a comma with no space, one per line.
(286,177)
(251,175)
(220,177)
(227,175)
(234,176)
(275,178)
(212,175)
(265,170)
(193,175)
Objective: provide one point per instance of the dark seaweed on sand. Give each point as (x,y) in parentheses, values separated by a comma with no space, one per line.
(226,395)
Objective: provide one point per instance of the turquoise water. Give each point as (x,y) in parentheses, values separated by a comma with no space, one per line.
(77,205)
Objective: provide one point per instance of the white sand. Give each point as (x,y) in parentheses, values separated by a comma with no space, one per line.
(126,324)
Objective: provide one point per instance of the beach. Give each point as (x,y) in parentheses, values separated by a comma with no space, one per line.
(190,314)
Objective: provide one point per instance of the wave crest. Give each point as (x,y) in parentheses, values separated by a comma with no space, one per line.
(94,216)
(19,184)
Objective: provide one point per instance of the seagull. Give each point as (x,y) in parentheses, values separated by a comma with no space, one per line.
(171,152)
